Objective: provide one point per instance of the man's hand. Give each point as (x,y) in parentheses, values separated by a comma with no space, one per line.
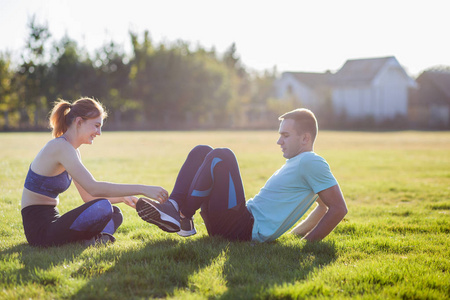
(337,209)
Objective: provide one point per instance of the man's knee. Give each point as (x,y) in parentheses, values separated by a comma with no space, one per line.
(200,150)
(225,154)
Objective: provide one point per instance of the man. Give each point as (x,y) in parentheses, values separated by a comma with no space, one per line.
(210,179)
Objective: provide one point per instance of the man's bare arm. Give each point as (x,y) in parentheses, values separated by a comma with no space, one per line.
(337,209)
(312,220)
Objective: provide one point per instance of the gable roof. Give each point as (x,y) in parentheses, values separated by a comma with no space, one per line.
(362,71)
(312,80)
(440,79)
(354,72)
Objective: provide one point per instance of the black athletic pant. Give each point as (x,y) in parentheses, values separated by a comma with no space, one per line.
(210,179)
(44,226)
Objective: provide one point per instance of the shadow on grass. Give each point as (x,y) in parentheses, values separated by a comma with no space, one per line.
(194,266)
(253,269)
(27,263)
(156,270)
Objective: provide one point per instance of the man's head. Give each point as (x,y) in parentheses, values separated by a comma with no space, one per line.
(298,131)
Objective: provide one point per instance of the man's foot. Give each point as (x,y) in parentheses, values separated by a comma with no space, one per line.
(100,239)
(187,227)
(164,215)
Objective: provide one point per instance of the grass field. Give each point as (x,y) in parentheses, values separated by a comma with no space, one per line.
(393,244)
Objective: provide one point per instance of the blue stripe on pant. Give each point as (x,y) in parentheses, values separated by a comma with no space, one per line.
(210,179)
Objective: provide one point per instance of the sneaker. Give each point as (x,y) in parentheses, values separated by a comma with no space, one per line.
(164,215)
(187,227)
(100,239)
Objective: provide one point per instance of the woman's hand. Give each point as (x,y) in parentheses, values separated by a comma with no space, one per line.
(157,193)
(130,201)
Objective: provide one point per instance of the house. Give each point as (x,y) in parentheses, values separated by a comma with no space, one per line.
(362,88)
(430,103)
(303,89)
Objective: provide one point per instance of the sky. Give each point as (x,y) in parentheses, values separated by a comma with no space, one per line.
(302,36)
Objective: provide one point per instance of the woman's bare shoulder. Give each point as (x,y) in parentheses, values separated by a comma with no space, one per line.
(56,149)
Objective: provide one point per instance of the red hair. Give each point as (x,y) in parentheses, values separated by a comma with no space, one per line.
(64,113)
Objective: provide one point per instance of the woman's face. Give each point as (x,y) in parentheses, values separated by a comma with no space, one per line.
(89,129)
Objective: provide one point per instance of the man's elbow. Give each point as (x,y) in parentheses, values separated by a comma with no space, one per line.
(342,211)
(338,212)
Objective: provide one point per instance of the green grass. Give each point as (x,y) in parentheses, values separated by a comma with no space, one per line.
(393,244)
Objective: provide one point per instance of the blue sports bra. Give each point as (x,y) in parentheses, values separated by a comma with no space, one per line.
(50,186)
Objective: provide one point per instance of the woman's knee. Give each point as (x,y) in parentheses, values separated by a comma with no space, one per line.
(98,212)
(117,216)
(104,207)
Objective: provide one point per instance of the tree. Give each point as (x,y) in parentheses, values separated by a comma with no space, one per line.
(139,72)
(239,102)
(113,82)
(262,89)
(176,85)
(34,71)
(165,86)
(72,72)
(439,68)
(8,94)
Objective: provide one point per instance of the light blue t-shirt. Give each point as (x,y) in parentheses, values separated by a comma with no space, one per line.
(288,194)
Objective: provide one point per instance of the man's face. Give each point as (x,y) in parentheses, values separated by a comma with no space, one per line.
(290,141)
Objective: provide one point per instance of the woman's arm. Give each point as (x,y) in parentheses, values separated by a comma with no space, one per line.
(69,158)
(129,200)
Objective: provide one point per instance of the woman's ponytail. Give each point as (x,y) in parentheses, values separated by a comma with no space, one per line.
(58,121)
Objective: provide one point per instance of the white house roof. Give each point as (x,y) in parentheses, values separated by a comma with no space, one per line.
(353,72)
(362,71)
(312,80)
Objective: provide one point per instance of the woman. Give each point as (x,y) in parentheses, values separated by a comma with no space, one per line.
(52,172)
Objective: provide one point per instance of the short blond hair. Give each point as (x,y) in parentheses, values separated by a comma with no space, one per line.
(305,121)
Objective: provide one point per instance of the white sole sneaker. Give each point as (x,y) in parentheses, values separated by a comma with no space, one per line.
(161,215)
(189,228)
(185,233)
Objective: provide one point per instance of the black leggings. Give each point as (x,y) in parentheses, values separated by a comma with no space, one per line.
(210,179)
(44,226)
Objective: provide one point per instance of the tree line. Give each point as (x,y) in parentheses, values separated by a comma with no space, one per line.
(169,85)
